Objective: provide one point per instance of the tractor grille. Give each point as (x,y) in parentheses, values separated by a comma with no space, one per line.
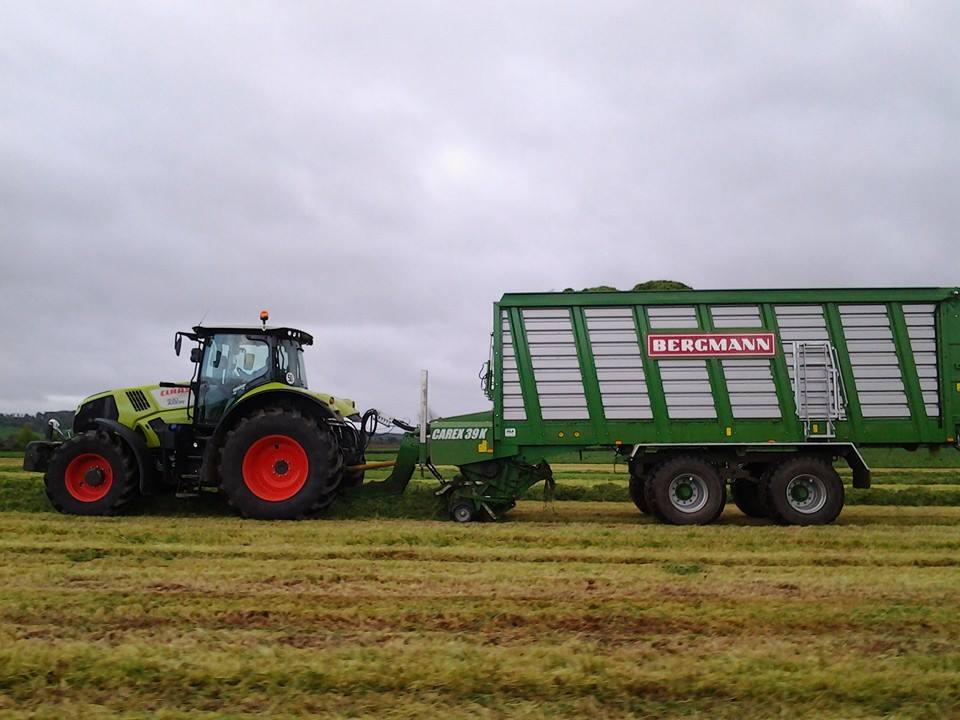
(138,400)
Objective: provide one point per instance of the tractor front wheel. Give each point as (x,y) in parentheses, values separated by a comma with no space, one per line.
(279,464)
(91,474)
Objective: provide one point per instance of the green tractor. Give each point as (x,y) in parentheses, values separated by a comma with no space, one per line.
(245,425)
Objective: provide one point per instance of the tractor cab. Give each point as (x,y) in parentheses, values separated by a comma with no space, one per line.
(231,361)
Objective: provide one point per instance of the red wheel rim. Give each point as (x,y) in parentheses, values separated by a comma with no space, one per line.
(275,468)
(88,477)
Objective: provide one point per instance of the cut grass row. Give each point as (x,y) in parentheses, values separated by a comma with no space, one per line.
(581,609)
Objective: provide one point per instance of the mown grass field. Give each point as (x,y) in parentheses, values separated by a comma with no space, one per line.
(573,608)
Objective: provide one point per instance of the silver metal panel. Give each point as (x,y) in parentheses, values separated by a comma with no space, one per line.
(566,413)
(627,349)
(551,338)
(512,398)
(555,363)
(871,346)
(558,387)
(921,322)
(753,394)
(619,386)
(561,314)
(876,367)
(878,411)
(677,317)
(882,385)
(611,336)
(549,333)
(865,334)
(736,316)
(692,413)
(619,362)
(686,388)
(785,310)
(628,413)
(799,323)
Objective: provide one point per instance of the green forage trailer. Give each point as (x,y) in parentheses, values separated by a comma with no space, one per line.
(753,392)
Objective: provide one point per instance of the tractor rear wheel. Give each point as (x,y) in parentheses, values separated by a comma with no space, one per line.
(353,479)
(279,464)
(750,497)
(685,491)
(91,474)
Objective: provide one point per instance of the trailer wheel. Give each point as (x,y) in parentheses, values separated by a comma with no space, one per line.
(685,491)
(637,493)
(463,511)
(279,464)
(91,474)
(750,497)
(723,502)
(805,491)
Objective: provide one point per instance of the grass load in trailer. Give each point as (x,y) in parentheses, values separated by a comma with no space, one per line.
(753,392)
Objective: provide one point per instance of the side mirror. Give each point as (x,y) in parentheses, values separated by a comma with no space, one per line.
(177,343)
(195,355)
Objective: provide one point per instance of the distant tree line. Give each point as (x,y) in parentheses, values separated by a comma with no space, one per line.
(639,287)
(17,430)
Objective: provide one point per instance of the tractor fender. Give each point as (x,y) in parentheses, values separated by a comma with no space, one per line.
(292,398)
(134,443)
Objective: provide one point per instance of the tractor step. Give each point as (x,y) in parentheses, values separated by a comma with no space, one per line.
(189,486)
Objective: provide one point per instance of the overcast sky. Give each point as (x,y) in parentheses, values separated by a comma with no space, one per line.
(379,173)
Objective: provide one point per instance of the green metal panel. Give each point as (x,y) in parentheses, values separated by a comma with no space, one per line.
(789,422)
(911,381)
(588,372)
(651,370)
(854,422)
(718,385)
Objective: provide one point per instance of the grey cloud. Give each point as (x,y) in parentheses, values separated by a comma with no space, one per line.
(379,173)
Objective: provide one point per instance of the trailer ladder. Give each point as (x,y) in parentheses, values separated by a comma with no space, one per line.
(817,388)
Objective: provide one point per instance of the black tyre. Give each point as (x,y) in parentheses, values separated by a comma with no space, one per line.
(350,479)
(723,502)
(805,491)
(279,464)
(685,491)
(463,511)
(91,474)
(637,494)
(751,497)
